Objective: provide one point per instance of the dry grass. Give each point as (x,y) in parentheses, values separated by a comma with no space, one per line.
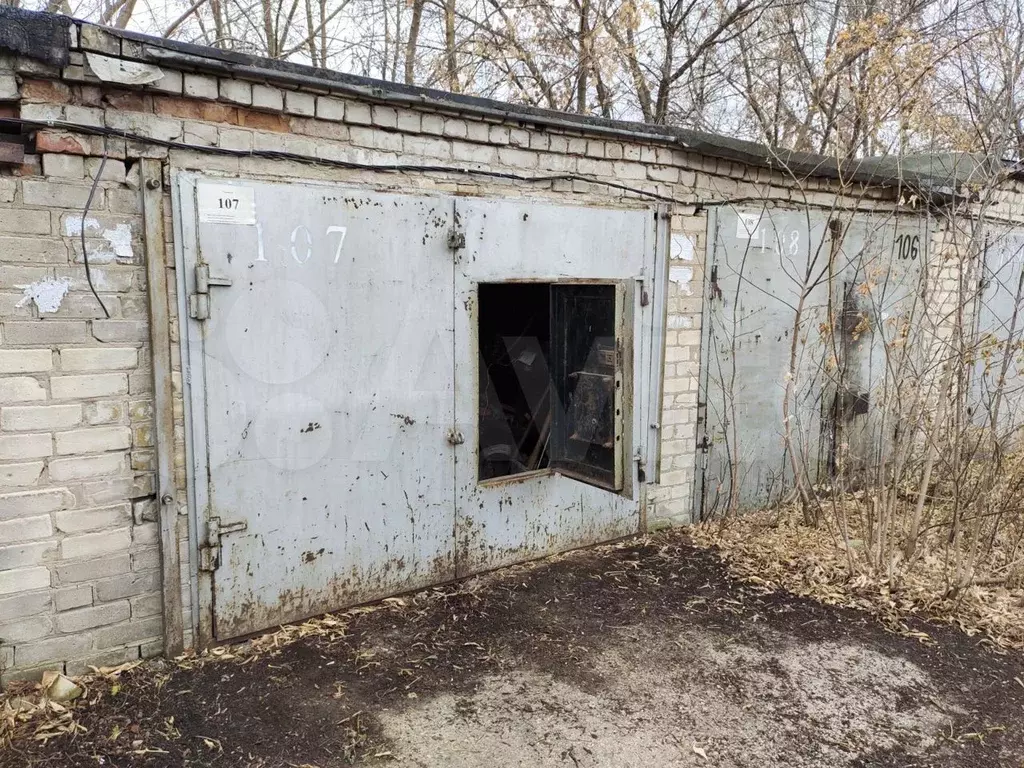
(775,548)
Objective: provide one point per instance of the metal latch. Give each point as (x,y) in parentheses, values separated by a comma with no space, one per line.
(455,437)
(209,553)
(456,239)
(199,302)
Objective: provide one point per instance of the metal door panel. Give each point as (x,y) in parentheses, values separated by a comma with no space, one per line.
(326,390)
(528,516)
(997,397)
(759,265)
(876,298)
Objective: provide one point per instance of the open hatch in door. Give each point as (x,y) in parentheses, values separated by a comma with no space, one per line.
(551,383)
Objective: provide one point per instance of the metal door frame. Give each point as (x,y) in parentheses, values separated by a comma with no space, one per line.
(702,447)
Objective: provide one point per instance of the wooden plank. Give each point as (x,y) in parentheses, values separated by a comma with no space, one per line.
(163,402)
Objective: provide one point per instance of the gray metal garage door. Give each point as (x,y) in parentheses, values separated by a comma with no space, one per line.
(331,366)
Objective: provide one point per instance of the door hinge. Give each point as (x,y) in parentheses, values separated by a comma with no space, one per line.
(456,239)
(209,551)
(199,301)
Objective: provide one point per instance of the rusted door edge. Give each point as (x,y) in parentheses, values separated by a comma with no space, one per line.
(163,403)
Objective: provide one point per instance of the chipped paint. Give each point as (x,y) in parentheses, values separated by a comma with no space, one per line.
(683,277)
(676,322)
(682,247)
(119,238)
(48,294)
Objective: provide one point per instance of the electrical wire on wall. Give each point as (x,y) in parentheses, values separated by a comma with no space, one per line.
(85,213)
(395,167)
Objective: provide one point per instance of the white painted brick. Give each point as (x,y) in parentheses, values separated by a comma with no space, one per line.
(25,604)
(299,103)
(385,117)
(98,358)
(113,566)
(201,86)
(82,520)
(26,630)
(20,475)
(103,412)
(54,649)
(25,529)
(236,91)
(432,124)
(69,598)
(96,385)
(330,108)
(409,121)
(358,113)
(267,97)
(89,466)
(93,616)
(45,332)
(22,503)
(27,554)
(93,440)
(90,545)
(29,418)
(21,389)
(67,166)
(24,580)
(59,194)
(30,446)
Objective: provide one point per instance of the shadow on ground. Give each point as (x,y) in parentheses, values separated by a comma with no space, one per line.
(643,653)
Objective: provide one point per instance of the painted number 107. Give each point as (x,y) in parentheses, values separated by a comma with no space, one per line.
(228,203)
(302,242)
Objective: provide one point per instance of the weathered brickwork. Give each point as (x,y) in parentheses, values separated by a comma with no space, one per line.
(79,541)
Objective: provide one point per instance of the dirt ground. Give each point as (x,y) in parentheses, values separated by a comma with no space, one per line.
(644,653)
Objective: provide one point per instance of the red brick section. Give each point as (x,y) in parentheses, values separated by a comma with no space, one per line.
(195,109)
(264,121)
(45,91)
(59,142)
